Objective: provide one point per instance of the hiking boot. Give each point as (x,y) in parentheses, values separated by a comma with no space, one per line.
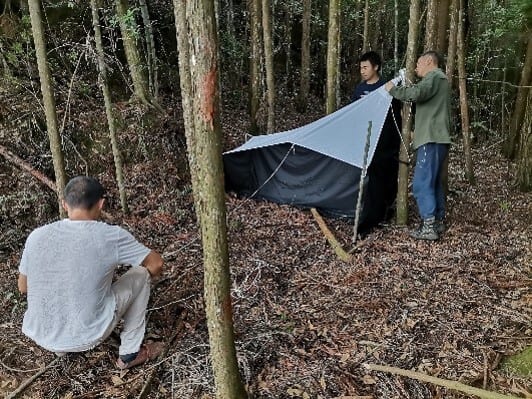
(149,351)
(440,226)
(426,231)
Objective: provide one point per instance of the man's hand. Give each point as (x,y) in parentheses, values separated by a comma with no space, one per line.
(154,263)
(389,85)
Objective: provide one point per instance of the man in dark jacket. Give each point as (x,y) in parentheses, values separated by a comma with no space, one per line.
(431,140)
(383,170)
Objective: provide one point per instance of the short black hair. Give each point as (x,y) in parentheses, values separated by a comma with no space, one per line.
(373,58)
(436,57)
(83,192)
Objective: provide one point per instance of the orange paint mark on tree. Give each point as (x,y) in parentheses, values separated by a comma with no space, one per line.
(208,97)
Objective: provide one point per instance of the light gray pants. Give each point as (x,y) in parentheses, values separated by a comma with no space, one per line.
(132,292)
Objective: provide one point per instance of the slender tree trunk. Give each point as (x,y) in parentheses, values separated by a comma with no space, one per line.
(443,21)
(268,60)
(151,55)
(431,25)
(365,35)
(254,64)
(230,18)
(287,44)
(136,69)
(304,85)
(396,35)
(332,55)
(48,100)
(196,26)
(464,111)
(524,162)
(451,52)
(402,189)
(512,139)
(102,68)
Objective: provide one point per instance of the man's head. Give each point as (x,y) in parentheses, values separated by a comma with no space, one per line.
(427,62)
(84,195)
(370,65)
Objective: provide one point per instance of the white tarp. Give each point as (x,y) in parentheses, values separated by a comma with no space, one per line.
(340,135)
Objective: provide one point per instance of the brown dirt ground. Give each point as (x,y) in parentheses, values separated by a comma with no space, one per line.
(305,322)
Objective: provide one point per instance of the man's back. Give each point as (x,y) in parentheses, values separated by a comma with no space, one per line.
(69,267)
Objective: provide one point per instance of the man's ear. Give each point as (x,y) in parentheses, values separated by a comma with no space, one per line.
(64,205)
(100,203)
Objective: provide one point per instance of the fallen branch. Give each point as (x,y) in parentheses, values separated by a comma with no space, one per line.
(26,383)
(25,166)
(455,385)
(340,252)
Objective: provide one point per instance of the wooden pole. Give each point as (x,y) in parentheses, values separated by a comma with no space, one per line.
(361,183)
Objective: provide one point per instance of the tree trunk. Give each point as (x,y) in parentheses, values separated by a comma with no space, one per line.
(512,139)
(396,35)
(464,111)
(102,69)
(451,52)
(443,21)
(268,61)
(48,100)
(365,35)
(305,56)
(287,44)
(197,27)
(524,162)
(431,25)
(402,189)
(128,28)
(254,64)
(151,56)
(332,55)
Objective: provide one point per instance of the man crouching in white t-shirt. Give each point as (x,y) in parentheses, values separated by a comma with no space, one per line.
(67,269)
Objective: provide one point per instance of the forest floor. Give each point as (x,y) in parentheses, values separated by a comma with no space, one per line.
(305,322)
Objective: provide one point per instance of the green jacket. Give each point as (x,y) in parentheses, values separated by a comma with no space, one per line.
(433,107)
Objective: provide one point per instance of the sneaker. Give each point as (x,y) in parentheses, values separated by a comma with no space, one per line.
(427,231)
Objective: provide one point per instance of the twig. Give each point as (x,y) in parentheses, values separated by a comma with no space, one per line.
(18,370)
(30,380)
(455,385)
(178,330)
(340,252)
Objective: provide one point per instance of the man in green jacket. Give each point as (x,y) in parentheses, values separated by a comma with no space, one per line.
(431,141)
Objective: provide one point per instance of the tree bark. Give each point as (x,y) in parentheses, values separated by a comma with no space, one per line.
(198,28)
(102,69)
(524,162)
(136,69)
(431,25)
(268,61)
(512,139)
(451,52)
(287,43)
(304,85)
(332,55)
(464,110)
(48,100)
(396,35)
(254,64)
(151,56)
(443,21)
(411,57)
(365,35)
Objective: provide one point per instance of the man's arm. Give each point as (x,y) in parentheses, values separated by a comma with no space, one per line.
(22,283)
(154,263)
(421,91)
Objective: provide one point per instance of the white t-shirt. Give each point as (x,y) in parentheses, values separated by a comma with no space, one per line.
(69,267)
